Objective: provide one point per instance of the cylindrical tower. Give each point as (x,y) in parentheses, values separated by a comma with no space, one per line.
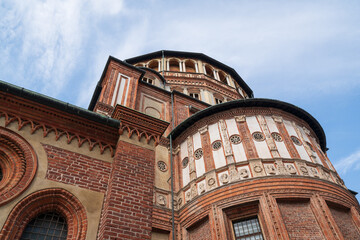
(258,167)
(244,167)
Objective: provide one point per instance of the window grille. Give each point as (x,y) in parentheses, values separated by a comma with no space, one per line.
(49,226)
(248,229)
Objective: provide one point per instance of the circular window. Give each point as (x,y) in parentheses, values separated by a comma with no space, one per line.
(276,136)
(310,146)
(17,165)
(162,166)
(185,162)
(296,140)
(258,136)
(235,139)
(216,145)
(198,153)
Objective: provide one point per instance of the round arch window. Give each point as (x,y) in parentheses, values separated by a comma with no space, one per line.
(18,165)
(49,225)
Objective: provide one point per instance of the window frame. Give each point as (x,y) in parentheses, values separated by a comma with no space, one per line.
(195,93)
(243,212)
(243,220)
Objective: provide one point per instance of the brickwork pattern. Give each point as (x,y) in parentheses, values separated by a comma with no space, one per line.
(18,164)
(300,221)
(77,169)
(127,210)
(57,200)
(200,231)
(345,223)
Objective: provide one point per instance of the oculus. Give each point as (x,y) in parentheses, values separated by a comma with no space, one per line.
(198,153)
(162,166)
(235,139)
(216,145)
(296,140)
(276,136)
(258,136)
(185,162)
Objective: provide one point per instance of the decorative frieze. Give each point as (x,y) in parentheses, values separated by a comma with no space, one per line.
(142,125)
(252,169)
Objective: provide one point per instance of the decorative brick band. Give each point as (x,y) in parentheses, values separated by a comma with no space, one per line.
(138,123)
(57,200)
(59,132)
(18,165)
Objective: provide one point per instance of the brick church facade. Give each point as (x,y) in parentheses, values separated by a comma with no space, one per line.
(172,146)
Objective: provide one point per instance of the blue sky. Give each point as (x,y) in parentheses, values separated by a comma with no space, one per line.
(303,52)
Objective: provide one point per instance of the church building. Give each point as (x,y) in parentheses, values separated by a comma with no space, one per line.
(173,145)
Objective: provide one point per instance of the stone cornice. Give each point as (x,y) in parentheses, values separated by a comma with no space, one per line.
(138,123)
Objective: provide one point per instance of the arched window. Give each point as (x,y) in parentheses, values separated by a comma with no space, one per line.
(139,65)
(154,65)
(50,225)
(54,208)
(222,77)
(190,66)
(209,71)
(174,65)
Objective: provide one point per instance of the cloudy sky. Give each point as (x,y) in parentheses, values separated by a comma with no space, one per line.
(303,52)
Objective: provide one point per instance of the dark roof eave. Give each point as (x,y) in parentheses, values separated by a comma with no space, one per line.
(254,102)
(54,103)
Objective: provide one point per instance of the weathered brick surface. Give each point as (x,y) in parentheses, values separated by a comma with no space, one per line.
(127,209)
(201,231)
(345,223)
(77,169)
(300,221)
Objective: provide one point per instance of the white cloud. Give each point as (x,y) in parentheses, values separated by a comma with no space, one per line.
(351,162)
(50,37)
(311,45)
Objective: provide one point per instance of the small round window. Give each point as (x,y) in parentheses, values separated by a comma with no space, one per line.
(185,162)
(310,146)
(216,145)
(258,136)
(162,166)
(276,136)
(235,139)
(296,140)
(198,153)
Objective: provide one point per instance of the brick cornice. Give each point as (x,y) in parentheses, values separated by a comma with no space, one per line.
(71,126)
(138,123)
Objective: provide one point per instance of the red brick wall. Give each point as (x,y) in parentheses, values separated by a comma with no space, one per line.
(127,210)
(201,230)
(77,169)
(300,221)
(344,221)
